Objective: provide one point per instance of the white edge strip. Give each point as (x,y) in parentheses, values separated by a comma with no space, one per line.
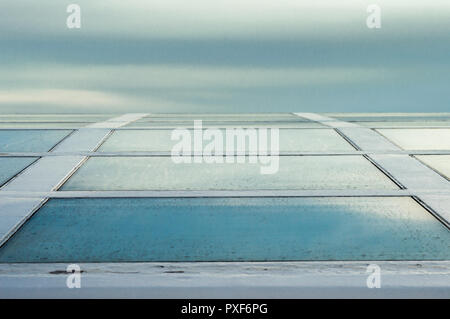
(118,121)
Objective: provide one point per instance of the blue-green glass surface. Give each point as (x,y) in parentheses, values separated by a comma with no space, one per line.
(53,118)
(225,124)
(42,125)
(236,117)
(10,166)
(314,140)
(30,140)
(161,173)
(229,229)
(392,117)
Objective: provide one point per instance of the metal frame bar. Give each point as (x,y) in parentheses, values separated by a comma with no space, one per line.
(146,128)
(221,193)
(237,153)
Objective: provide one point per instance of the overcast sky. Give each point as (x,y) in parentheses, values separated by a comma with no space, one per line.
(224,56)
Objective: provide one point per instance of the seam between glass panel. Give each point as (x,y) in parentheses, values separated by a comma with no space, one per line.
(21,222)
(378,132)
(430,167)
(82,162)
(385,172)
(345,137)
(18,173)
(431,211)
(61,140)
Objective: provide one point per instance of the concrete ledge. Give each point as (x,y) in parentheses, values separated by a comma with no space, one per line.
(401,279)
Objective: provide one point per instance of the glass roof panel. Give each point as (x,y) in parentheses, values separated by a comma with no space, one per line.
(440,163)
(10,166)
(41,125)
(53,118)
(413,124)
(383,117)
(220,124)
(419,139)
(160,140)
(229,229)
(161,173)
(224,117)
(30,140)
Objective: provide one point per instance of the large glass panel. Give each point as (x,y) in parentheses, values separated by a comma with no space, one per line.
(54,118)
(290,140)
(220,124)
(411,124)
(383,117)
(10,166)
(224,117)
(220,119)
(161,173)
(41,125)
(229,229)
(30,140)
(419,139)
(440,163)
